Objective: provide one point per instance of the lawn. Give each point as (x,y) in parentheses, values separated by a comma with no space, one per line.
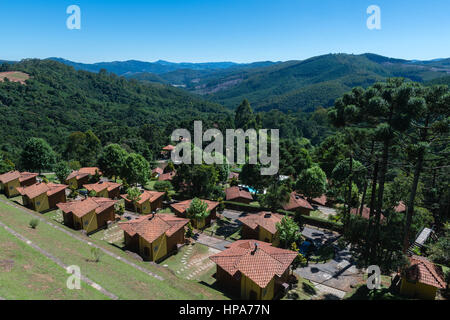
(223,228)
(25,273)
(303,290)
(361,292)
(114,275)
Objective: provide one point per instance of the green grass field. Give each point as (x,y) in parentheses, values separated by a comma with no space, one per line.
(25,273)
(112,274)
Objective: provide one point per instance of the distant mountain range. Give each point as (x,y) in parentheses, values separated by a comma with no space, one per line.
(298,85)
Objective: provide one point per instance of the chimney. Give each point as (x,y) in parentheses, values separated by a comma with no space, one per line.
(268,215)
(255,249)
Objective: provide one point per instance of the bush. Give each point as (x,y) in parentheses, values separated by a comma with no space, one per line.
(161,186)
(96,254)
(34,223)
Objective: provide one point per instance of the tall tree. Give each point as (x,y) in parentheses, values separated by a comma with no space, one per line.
(288,232)
(136,170)
(312,182)
(37,155)
(112,160)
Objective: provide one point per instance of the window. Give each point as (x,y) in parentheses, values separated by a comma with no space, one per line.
(38,203)
(11,187)
(155,248)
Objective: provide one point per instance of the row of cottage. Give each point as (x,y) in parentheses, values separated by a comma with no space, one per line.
(253,268)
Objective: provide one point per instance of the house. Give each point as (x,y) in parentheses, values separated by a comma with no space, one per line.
(233,175)
(43,197)
(154,236)
(238,194)
(167,176)
(261,226)
(422,279)
(149,201)
(80,177)
(320,201)
(105,189)
(365,213)
(180,209)
(253,270)
(157,172)
(167,150)
(297,203)
(90,214)
(10,181)
(401,207)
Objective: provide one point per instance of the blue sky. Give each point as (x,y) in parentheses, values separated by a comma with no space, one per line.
(222,30)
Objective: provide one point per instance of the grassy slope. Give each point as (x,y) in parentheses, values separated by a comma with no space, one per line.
(34,276)
(114,275)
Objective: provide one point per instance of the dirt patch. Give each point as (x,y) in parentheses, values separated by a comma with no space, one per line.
(14,76)
(6,265)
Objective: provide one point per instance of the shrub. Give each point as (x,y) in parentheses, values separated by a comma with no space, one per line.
(161,186)
(34,223)
(96,254)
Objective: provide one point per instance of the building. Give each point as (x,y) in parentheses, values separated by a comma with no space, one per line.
(90,214)
(167,150)
(320,201)
(154,236)
(233,175)
(43,197)
(238,194)
(401,207)
(422,279)
(180,209)
(261,226)
(149,202)
(167,176)
(157,172)
(80,177)
(297,203)
(10,181)
(105,189)
(365,213)
(253,270)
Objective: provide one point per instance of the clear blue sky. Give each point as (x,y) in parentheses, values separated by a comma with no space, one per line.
(222,30)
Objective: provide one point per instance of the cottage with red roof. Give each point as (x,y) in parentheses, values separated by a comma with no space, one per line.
(253,270)
(90,214)
(422,279)
(261,226)
(298,203)
(10,181)
(43,197)
(238,194)
(80,177)
(149,202)
(157,172)
(180,209)
(365,213)
(154,236)
(105,189)
(167,176)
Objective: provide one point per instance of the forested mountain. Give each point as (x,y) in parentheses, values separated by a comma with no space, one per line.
(305,85)
(58,101)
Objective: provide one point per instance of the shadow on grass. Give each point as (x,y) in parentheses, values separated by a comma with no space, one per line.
(308,289)
(363,293)
(216,287)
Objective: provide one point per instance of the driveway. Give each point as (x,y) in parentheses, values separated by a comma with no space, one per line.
(233,215)
(211,241)
(327,211)
(319,237)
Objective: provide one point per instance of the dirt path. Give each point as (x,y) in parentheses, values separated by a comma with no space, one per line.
(58,262)
(109,253)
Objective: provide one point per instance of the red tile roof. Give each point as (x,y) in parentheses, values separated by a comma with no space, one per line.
(39,188)
(169,148)
(365,213)
(297,201)
(182,206)
(83,172)
(158,171)
(151,227)
(233,175)
(167,176)
(147,195)
(424,271)
(401,207)
(237,192)
(261,266)
(83,207)
(102,185)
(9,176)
(266,220)
(322,200)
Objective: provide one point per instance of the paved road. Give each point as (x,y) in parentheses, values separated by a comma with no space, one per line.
(211,241)
(58,262)
(233,215)
(327,210)
(318,236)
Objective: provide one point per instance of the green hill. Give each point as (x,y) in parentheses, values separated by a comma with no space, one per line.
(58,100)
